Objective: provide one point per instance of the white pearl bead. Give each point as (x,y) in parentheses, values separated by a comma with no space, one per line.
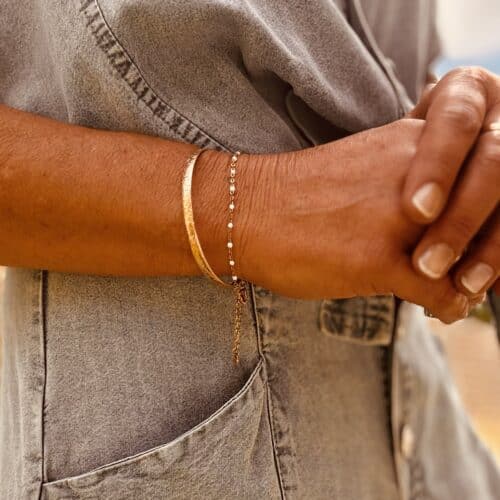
(230,225)
(232,188)
(231,262)
(229,244)
(231,206)
(235,278)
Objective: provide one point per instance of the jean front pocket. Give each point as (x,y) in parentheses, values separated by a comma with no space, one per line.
(228,455)
(360,320)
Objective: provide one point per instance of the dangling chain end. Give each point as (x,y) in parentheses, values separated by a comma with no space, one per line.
(240,292)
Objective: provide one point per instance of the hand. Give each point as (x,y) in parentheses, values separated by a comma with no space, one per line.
(327,222)
(454,181)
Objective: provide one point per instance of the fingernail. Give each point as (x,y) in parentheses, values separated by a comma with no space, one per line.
(436,260)
(428,200)
(477,277)
(463,305)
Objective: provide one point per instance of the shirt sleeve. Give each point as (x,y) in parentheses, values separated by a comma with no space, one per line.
(435,49)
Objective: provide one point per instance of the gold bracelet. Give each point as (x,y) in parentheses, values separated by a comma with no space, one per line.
(238,285)
(187,206)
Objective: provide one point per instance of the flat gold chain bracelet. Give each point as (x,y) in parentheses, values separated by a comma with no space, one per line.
(187,205)
(238,285)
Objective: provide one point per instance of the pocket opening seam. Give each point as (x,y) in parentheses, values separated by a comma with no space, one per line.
(256,373)
(269,413)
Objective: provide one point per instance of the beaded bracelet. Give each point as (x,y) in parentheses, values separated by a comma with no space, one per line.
(238,285)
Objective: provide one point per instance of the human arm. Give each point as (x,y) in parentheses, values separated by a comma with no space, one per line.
(321,222)
(83,200)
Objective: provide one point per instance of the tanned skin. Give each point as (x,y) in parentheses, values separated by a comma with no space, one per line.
(336,220)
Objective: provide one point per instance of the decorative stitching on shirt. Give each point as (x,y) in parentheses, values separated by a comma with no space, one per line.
(124,66)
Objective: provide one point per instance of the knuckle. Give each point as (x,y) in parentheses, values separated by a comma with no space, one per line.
(463,116)
(472,74)
(460,230)
(477,74)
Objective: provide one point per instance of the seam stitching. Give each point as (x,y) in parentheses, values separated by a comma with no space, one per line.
(125,67)
(365,321)
(273,439)
(268,394)
(42,307)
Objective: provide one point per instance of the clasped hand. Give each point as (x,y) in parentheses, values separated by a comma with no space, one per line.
(453,184)
(409,208)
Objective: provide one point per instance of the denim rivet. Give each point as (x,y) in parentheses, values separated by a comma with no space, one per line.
(407,441)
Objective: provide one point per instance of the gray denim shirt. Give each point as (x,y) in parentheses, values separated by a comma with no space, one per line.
(122,388)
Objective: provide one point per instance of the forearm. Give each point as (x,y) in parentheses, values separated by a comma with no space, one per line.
(82,200)
(315,223)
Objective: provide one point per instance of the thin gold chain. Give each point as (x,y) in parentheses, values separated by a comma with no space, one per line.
(239,285)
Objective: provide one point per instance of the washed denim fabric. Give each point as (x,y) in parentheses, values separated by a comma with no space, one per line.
(123,388)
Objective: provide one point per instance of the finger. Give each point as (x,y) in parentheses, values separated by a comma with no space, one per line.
(454,118)
(419,112)
(480,268)
(492,120)
(477,300)
(441,297)
(472,203)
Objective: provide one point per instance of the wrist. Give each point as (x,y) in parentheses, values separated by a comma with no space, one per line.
(211,208)
(209,195)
